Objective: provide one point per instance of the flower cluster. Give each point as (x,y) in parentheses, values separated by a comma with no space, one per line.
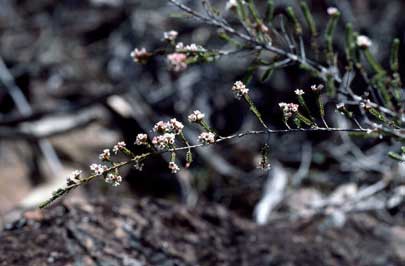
(288,108)
(332,11)
(239,89)
(363,42)
(141,139)
(317,88)
(74,178)
(177,62)
(119,147)
(170,35)
(299,92)
(175,126)
(140,55)
(160,127)
(174,167)
(163,141)
(192,48)
(113,179)
(105,155)
(169,130)
(196,117)
(98,169)
(172,126)
(207,138)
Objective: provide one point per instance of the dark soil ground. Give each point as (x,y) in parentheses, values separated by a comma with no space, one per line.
(150,232)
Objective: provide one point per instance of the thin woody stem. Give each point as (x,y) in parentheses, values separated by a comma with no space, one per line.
(62,191)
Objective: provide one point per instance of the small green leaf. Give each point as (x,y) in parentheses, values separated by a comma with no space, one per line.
(297,25)
(269,14)
(396,156)
(309,19)
(267,74)
(249,74)
(394,55)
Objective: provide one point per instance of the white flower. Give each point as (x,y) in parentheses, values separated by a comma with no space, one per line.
(170,35)
(177,62)
(75,173)
(174,167)
(179,46)
(160,127)
(194,48)
(175,126)
(207,138)
(98,169)
(191,47)
(172,126)
(140,56)
(196,116)
(282,104)
(169,138)
(288,108)
(231,4)
(159,142)
(299,92)
(317,88)
(141,139)
(363,41)
(113,179)
(74,178)
(105,155)
(119,146)
(239,89)
(293,107)
(332,11)
(164,141)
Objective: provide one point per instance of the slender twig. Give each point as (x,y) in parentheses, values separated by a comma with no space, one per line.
(60,192)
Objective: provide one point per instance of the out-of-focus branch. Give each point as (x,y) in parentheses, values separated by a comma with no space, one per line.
(63,109)
(44,129)
(25,109)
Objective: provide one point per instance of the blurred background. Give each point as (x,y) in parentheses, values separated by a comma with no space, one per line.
(69,89)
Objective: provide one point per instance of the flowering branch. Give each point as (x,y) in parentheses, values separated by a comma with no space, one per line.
(329,75)
(75,181)
(220,23)
(383,116)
